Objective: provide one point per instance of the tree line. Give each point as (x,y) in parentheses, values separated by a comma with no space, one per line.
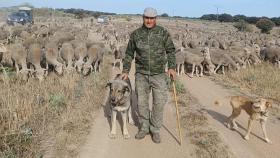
(229,18)
(81,13)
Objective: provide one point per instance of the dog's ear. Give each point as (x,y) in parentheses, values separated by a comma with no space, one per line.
(268,104)
(109,83)
(127,89)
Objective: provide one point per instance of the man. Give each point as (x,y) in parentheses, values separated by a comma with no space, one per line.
(154,48)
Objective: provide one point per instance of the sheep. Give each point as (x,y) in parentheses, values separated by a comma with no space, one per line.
(119,54)
(180,59)
(252,54)
(4,35)
(67,54)
(2,48)
(34,57)
(219,58)
(19,56)
(189,58)
(94,55)
(271,54)
(61,36)
(52,55)
(5,55)
(80,53)
(194,60)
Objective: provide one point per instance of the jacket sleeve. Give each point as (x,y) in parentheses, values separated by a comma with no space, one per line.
(170,51)
(129,54)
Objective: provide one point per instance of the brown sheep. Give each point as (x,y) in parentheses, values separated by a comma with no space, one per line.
(34,58)
(52,55)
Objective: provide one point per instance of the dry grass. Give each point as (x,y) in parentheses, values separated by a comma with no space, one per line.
(49,118)
(207,142)
(261,80)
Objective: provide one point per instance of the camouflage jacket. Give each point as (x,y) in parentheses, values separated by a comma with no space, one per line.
(154,48)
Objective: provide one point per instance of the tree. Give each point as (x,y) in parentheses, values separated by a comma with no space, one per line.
(225,18)
(243,26)
(265,25)
(252,20)
(164,15)
(209,17)
(237,18)
(276,21)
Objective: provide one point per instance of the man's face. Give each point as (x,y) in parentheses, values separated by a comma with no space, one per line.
(149,22)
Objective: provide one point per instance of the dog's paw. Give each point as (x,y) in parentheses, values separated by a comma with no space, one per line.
(131,122)
(246,137)
(227,125)
(268,141)
(235,128)
(112,135)
(126,136)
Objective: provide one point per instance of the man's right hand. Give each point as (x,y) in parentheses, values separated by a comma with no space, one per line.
(124,76)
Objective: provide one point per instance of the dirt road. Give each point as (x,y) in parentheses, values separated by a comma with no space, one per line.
(206,92)
(99,145)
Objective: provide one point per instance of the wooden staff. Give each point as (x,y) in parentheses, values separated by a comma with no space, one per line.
(177,113)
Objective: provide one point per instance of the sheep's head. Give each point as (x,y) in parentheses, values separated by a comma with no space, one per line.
(2,48)
(212,68)
(79,66)
(41,74)
(206,52)
(257,49)
(59,68)
(24,74)
(247,50)
(87,68)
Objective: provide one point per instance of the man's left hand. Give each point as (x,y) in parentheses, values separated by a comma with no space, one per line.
(171,73)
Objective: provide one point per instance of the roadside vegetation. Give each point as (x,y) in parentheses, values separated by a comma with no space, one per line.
(261,80)
(53,116)
(205,141)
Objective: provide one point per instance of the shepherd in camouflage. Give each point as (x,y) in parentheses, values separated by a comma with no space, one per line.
(154,49)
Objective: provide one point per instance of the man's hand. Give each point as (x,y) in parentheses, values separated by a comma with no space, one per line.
(124,76)
(171,73)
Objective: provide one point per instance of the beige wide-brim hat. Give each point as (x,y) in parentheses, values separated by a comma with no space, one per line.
(150,12)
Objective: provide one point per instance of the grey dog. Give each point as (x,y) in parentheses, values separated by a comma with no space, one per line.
(120,101)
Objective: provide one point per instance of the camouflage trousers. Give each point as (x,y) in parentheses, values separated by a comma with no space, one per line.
(151,121)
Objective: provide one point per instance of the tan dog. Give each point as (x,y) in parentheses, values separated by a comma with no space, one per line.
(257,110)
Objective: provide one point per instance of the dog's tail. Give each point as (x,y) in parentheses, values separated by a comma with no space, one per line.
(218,101)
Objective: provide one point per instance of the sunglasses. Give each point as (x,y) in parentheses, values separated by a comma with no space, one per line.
(146,17)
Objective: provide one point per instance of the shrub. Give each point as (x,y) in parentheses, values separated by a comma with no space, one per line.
(57,102)
(180,89)
(243,26)
(265,25)
(164,15)
(276,21)
(225,18)
(237,18)
(128,18)
(252,20)
(209,17)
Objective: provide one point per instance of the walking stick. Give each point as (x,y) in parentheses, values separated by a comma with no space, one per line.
(177,113)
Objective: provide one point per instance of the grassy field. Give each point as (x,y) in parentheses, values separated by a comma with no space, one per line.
(258,81)
(52,116)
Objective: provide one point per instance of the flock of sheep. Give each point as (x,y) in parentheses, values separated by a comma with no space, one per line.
(211,51)
(65,45)
(35,50)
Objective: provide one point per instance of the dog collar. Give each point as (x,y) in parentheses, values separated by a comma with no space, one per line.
(264,113)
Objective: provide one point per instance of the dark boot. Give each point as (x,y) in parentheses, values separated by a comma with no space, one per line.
(156,138)
(141,134)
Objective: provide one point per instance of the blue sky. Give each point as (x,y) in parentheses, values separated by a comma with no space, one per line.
(190,8)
